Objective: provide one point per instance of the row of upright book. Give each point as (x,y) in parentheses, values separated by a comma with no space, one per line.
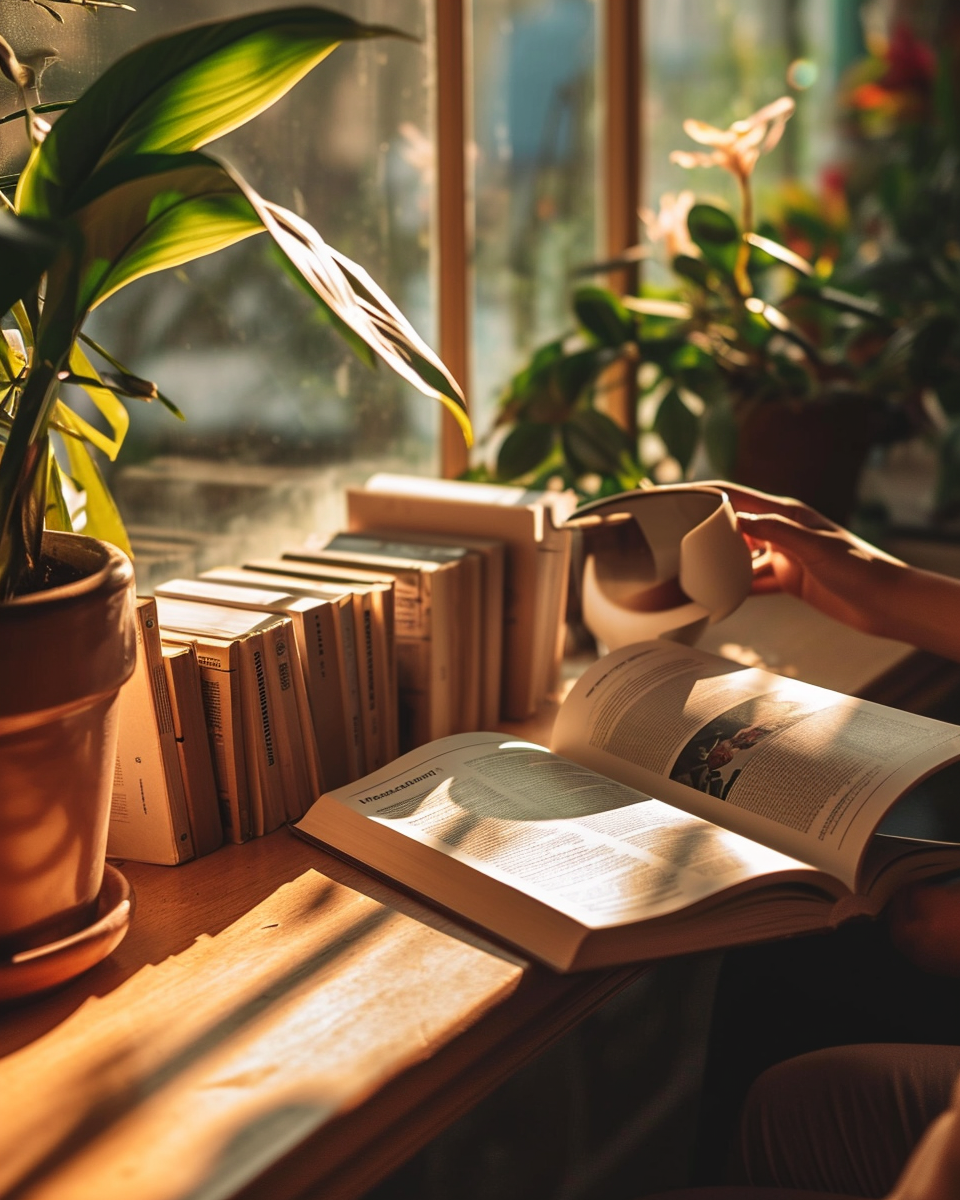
(440,609)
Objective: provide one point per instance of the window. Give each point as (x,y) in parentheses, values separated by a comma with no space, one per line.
(535,168)
(279,414)
(720,62)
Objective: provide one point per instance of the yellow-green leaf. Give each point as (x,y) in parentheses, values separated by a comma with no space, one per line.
(180,92)
(103,518)
(110,406)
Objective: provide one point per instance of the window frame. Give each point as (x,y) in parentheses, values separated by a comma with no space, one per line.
(621,158)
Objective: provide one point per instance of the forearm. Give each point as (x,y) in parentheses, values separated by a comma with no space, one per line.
(918,607)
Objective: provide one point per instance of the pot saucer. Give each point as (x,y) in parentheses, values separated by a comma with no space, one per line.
(47,966)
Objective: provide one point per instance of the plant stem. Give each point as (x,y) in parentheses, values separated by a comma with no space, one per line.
(22,488)
(746,226)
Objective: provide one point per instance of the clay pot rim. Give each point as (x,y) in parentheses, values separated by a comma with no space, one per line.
(105,569)
(72,642)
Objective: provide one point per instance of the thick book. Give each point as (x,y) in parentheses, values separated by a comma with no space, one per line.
(537,564)
(184,684)
(371,512)
(148,810)
(688,803)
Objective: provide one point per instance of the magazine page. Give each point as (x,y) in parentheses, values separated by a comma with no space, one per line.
(587,846)
(808,771)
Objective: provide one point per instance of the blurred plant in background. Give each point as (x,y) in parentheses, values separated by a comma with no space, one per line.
(826,326)
(901,113)
(746,335)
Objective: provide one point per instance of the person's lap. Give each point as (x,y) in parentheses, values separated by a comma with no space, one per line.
(839,1122)
(782,999)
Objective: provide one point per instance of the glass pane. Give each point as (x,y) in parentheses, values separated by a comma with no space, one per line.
(279,412)
(719,62)
(535,176)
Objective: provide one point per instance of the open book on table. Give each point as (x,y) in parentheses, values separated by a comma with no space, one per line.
(781,808)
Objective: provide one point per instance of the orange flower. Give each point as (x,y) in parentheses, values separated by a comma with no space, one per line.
(869,95)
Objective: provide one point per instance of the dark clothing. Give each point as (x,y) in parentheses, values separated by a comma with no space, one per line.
(836,1122)
(783,999)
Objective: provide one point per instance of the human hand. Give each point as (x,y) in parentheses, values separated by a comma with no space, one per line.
(797,550)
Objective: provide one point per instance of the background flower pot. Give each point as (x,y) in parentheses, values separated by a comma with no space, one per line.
(65,651)
(814,450)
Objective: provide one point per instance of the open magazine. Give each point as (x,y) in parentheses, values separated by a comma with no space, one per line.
(780,808)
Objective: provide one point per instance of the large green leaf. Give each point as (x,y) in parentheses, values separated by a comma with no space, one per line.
(103,520)
(843,301)
(716,234)
(772,317)
(112,409)
(674,310)
(593,443)
(773,252)
(678,426)
(179,92)
(26,250)
(694,269)
(345,288)
(602,314)
(524,449)
(149,212)
(12,359)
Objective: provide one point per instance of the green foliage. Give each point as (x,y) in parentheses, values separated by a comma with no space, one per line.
(120,188)
(903,108)
(748,321)
(602,315)
(716,236)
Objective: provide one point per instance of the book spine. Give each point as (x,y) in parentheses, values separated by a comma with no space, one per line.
(298,763)
(193,748)
(372,719)
(353,619)
(148,814)
(385,666)
(317,636)
(262,759)
(220,691)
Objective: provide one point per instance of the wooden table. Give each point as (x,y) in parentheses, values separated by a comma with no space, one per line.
(277,1022)
(274,1020)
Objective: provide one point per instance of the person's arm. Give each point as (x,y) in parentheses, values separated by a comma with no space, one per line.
(842,575)
(933,1170)
(802,552)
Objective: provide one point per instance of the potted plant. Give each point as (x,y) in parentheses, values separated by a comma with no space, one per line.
(116,188)
(901,178)
(750,352)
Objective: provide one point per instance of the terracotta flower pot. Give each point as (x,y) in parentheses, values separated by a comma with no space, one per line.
(64,651)
(814,451)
